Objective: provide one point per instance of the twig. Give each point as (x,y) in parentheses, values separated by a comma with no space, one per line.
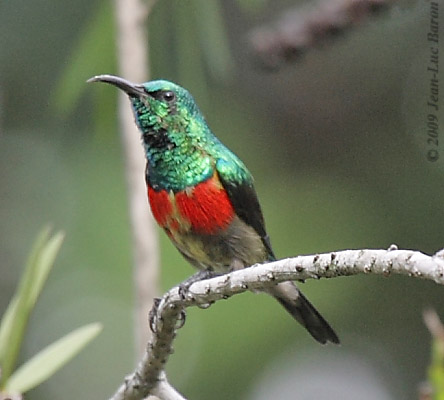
(133,65)
(434,324)
(169,310)
(298,30)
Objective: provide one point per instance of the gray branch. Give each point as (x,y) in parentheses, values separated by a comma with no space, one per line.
(301,29)
(168,314)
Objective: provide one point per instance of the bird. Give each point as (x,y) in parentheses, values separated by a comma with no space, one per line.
(202,195)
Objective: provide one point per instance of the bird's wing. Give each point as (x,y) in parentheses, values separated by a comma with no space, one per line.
(244,199)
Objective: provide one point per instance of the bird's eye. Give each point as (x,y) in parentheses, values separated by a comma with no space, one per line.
(169,96)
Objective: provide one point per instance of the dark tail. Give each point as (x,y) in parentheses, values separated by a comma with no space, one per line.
(304,312)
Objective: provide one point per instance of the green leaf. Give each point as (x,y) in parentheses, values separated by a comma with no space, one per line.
(51,359)
(7,324)
(214,38)
(44,263)
(93,54)
(436,367)
(15,319)
(190,65)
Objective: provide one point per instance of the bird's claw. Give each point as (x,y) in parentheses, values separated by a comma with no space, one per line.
(183,290)
(185,285)
(181,319)
(152,316)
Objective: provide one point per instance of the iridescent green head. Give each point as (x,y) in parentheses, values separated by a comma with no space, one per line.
(179,146)
(160,107)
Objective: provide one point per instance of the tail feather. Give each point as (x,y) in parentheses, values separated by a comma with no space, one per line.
(304,312)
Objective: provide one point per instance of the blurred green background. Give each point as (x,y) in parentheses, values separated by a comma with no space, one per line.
(337,143)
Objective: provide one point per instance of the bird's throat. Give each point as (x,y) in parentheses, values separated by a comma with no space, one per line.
(173,170)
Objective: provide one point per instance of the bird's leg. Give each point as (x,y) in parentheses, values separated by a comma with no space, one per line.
(198,276)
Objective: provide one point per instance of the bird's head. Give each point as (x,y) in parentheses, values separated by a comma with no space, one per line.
(165,113)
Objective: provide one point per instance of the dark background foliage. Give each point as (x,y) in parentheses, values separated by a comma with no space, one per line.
(337,143)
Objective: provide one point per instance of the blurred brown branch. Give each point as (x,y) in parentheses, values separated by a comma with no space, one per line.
(296,31)
(434,324)
(168,314)
(132,43)
(6,396)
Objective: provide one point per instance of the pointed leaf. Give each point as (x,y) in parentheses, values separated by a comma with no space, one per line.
(10,315)
(93,54)
(45,262)
(190,65)
(214,38)
(16,316)
(6,326)
(51,359)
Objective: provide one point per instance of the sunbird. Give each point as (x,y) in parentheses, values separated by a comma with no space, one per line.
(202,195)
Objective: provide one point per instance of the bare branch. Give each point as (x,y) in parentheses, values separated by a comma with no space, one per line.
(167,316)
(165,391)
(299,30)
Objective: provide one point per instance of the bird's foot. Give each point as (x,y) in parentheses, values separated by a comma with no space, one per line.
(198,276)
(181,319)
(153,317)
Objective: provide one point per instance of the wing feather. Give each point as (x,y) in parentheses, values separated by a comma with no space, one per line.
(244,199)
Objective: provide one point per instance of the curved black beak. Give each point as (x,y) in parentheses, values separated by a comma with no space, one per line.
(131,89)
